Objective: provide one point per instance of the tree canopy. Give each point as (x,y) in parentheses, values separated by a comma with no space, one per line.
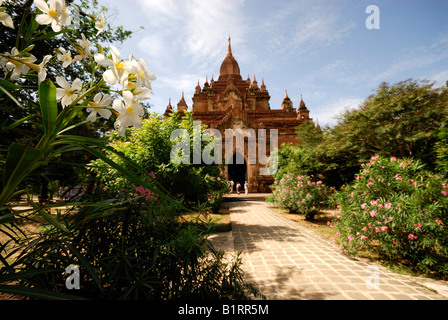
(399,120)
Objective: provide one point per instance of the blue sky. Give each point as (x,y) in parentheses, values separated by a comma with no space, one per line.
(321,49)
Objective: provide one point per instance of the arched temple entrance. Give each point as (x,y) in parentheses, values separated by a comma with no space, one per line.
(237,170)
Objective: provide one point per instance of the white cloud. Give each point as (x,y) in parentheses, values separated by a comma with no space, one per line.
(185,83)
(195,28)
(326,115)
(153,46)
(440,78)
(418,58)
(298,28)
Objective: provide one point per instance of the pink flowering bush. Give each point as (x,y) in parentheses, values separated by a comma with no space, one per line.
(397,210)
(300,194)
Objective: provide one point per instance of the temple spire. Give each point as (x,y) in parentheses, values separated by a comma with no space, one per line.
(229,48)
(229,66)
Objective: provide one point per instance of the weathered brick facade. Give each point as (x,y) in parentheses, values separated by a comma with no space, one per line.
(233,103)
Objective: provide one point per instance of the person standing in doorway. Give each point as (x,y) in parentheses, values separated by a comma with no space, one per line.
(238,186)
(246,187)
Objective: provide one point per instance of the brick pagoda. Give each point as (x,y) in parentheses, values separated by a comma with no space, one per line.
(233,103)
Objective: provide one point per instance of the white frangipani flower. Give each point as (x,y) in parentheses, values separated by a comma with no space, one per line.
(83,48)
(139,80)
(129,111)
(119,68)
(3,62)
(100,24)
(98,105)
(68,92)
(55,14)
(5,18)
(42,74)
(19,64)
(144,77)
(65,57)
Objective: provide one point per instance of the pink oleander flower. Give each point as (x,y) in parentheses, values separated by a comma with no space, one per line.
(364,229)
(143,192)
(373,213)
(377,229)
(350,238)
(363,237)
(384,228)
(412,237)
(363,206)
(387,205)
(418,225)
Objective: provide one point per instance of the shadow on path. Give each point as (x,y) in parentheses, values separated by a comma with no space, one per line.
(288,261)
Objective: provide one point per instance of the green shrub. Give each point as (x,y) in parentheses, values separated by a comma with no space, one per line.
(133,251)
(398,211)
(300,194)
(150,148)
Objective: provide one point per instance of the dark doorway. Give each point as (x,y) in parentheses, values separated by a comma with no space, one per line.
(237,171)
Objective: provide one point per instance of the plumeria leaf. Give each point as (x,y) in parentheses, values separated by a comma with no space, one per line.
(2,83)
(15,124)
(9,85)
(20,161)
(48,217)
(48,105)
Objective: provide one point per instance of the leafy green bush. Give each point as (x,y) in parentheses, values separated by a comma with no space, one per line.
(150,148)
(441,149)
(300,194)
(137,249)
(398,211)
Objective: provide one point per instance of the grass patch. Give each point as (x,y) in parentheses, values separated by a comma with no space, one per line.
(219,222)
(318,224)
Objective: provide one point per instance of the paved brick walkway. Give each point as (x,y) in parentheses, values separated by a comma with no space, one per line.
(290,262)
